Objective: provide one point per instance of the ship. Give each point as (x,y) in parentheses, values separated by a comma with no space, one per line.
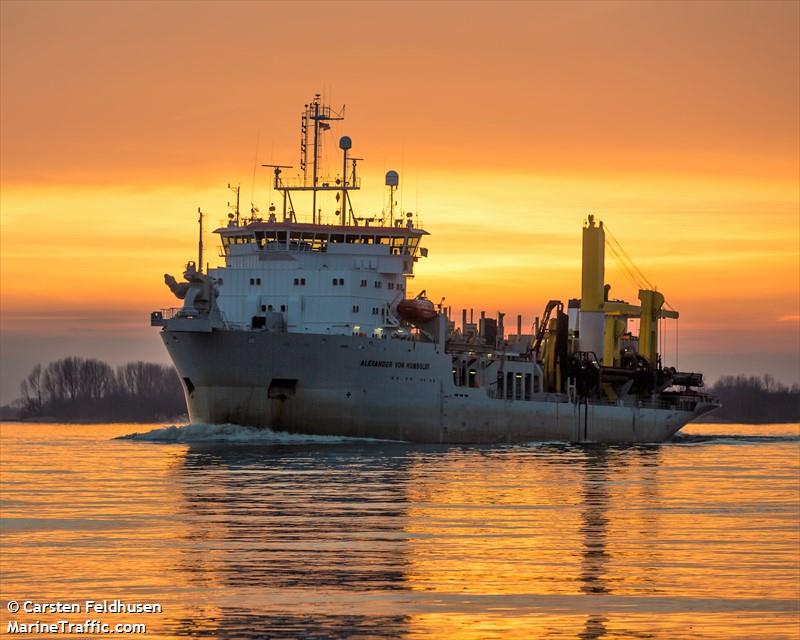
(310,328)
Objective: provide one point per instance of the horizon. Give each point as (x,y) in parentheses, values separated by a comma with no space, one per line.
(678,128)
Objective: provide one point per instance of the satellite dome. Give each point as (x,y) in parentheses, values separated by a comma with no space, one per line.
(345,142)
(392,178)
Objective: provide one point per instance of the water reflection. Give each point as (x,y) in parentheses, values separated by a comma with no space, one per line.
(594,522)
(283,524)
(393,541)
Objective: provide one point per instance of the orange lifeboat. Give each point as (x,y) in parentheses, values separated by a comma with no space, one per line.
(416,310)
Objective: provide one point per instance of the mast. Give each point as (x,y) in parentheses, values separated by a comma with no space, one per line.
(392,180)
(304,144)
(321,115)
(236,190)
(345,144)
(316,159)
(200,241)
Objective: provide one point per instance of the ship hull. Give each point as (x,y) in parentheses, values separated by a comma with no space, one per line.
(387,389)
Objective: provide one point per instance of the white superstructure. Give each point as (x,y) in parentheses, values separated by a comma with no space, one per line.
(320,278)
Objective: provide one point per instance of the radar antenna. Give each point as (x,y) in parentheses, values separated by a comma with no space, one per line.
(392,180)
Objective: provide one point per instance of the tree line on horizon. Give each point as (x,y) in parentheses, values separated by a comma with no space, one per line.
(87,388)
(756,399)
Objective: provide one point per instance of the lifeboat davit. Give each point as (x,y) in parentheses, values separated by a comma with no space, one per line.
(416,310)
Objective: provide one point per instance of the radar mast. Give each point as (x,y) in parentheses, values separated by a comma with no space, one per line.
(315,119)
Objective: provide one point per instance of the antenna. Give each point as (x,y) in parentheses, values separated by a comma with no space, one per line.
(315,106)
(304,145)
(236,190)
(392,180)
(253,208)
(277,183)
(200,241)
(345,144)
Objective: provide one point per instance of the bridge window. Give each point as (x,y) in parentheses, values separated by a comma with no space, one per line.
(363,283)
(378,284)
(510,386)
(528,386)
(355,308)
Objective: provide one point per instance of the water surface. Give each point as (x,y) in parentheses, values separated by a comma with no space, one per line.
(239,534)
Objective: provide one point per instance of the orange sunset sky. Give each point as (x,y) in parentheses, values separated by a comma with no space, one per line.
(676,123)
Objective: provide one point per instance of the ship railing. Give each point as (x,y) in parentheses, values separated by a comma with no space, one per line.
(678,403)
(160,317)
(332,182)
(168,313)
(178,312)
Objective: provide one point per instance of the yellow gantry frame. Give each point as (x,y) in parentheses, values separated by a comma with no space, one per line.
(593,299)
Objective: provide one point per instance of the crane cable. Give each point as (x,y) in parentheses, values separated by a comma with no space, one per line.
(625,254)
(622,256)
(638,284)
(639,280)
